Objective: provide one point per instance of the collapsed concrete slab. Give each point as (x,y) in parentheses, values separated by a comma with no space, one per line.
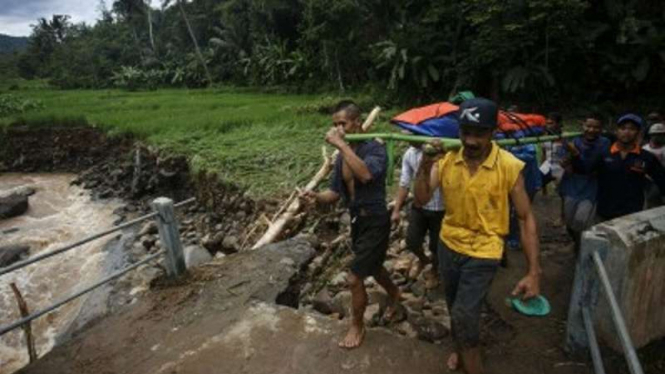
(224,318)
(633,252)
(272,339)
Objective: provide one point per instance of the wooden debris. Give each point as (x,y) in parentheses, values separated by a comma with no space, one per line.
(27,327)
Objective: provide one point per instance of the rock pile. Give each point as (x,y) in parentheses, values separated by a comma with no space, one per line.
(423,313)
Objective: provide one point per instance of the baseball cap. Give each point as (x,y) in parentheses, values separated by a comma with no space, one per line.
(478,112)
(630,117)
(657,128)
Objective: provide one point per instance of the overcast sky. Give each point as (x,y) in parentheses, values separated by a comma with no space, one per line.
(16,16)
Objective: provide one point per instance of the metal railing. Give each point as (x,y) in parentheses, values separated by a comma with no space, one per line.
(593,278)
(619,323)
(167,224)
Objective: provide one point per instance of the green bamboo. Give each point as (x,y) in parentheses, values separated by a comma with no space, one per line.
(452,144)
(447,144)
(390,148)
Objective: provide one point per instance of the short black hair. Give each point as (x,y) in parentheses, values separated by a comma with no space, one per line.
(597,116)
(349,107)
(555,116)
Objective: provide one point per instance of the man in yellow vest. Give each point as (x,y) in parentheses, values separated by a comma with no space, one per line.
(478,183)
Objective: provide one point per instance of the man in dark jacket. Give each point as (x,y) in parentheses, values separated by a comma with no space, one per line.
(624,172)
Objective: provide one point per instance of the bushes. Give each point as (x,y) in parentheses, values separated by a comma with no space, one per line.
(12,104)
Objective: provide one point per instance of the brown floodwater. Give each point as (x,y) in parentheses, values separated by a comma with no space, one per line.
(59,214)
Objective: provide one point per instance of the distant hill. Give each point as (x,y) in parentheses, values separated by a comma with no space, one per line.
(10,44)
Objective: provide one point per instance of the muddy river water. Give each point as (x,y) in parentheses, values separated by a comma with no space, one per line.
(59,214)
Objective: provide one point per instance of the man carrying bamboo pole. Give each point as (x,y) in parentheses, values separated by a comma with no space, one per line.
(359,178)
(477,183)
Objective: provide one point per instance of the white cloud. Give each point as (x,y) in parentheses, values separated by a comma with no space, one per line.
(16,16)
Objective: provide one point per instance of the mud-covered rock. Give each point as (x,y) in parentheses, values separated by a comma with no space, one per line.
(406,329)
(339,280)
(430,330)
(13,206)
(323,302)
(195,255)
(230,244)
(18,191)
(13,253)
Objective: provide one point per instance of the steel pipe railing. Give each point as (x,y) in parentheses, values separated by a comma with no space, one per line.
(43,256)
(596,356)
(117,274)
(617,317)
(162,206)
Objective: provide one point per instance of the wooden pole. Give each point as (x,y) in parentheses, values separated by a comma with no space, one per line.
(27,327)
(277,226)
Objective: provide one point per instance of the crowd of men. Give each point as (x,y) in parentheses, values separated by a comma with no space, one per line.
(601,176)
(463,201)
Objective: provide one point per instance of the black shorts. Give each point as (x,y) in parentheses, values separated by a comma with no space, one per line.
(467,281)
(369,243)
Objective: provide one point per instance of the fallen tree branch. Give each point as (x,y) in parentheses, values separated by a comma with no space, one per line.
(27,327)
(293,207)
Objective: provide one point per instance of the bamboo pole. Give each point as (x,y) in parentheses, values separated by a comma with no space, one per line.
(452,144)
(27,327)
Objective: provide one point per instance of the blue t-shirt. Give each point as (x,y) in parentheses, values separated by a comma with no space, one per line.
(582,182)
(369,196)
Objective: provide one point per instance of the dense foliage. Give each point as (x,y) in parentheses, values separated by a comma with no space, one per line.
(532,50)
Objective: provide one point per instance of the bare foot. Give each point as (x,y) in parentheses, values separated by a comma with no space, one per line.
(391,307)
(453,362)
(354,337)
(431,280)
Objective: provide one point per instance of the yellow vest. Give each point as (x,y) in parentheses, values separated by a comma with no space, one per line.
(477,207)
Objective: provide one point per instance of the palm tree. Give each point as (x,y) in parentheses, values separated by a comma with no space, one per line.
(131,11)
(181,7)
(148,9)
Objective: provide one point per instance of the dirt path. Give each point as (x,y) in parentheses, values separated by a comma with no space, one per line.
(223,318)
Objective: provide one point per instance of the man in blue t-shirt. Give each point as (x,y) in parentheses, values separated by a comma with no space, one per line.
(359,179)
(579,184)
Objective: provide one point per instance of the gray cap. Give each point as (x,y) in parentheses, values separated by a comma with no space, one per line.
(657,128)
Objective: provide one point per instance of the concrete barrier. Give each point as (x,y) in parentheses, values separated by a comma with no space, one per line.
(633,252)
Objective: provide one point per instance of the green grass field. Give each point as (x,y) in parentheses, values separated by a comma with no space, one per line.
(267,143)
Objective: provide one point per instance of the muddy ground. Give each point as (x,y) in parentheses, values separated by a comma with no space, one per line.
(173,319)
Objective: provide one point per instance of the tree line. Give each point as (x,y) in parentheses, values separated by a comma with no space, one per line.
(537,50)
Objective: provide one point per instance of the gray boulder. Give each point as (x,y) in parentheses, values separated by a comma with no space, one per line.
(13,253)
(195,255)
(13,205)
(18,191)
